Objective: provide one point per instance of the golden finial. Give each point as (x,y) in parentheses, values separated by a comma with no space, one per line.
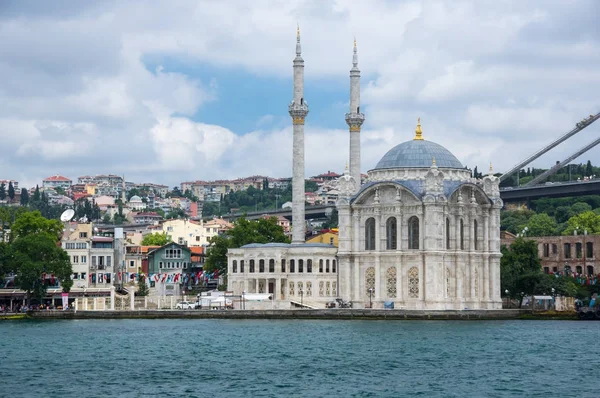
(346,169)
(491,169)
(418,131)
(433,164)
(355,42)
(298,31)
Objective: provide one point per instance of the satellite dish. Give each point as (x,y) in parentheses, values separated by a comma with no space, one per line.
(67,215)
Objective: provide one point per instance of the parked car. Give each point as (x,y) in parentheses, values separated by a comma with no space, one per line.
(185,305)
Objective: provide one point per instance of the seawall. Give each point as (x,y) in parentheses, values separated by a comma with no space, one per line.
(293,314)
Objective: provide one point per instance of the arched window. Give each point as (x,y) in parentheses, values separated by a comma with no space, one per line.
(271,265)
(390,279)
(234,266)
(391,233)
(242,266)
(251,265)
(413,232)
(261,265)
(309,266)
(462,235)
(292,266)
(300,265)
(578,269)
(326,265)
(283,265)
(475,243)
(321,265)
(589,253)
(447,234)
(413,282)
(590,270)
(333,268)
(370,234)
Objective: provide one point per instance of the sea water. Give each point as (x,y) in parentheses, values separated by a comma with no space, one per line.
(299,358)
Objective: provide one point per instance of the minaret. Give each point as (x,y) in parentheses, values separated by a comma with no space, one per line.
(298,110)
(124,192)
(355,119)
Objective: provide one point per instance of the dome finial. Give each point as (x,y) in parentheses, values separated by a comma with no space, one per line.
(346,169)
(418,131)
(433,164)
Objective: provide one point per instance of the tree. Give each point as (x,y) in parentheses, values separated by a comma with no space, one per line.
(36,194)
(176,213)
(2,191)
(589,170)
(33,223)
(541,225)
(311,186)
(520,268)
(263,230)
(142,287)
(36,255)
(156,239)
(24,197)
(11,191)
(588,221)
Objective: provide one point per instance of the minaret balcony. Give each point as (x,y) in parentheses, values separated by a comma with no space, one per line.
(298,110)
(355,119)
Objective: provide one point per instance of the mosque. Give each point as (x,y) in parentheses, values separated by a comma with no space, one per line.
(420,233)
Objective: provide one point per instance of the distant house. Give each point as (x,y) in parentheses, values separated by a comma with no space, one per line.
(146,218)
(57,181)
(330,238)
(166,266)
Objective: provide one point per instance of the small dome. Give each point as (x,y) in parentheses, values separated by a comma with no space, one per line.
(135,198)
(418,153)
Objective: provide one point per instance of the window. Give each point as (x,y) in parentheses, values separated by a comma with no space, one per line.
(197,238)
(75,259)
(578,269)
(160,264)
(261,265)
(108,278)
(546,270)
(554,249)
(108,261)
(462,235)
(184,264)
(321,265)
(309,266)
(546,249)
(331,241)
(370,280)
(131,263)
(234,266)
(370,234)
(83,276)
(555,269)
(94,261)
(326,265)
(590,270)
(391,233)
(283,265)
(300,265)
(413,282)
(413,233)
(242,266)
(251,265)
(169,229)
(75,276)
(84,259)
(567,250)
(333,266)
(447,234)
(390,279)
(83,234)
(589,249)
(271,265)
(578,250)
(475,234)
(292,266)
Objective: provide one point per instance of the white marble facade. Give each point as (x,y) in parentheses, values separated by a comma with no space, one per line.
(421,237)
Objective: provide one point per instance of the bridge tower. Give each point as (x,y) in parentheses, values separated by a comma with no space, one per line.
(298,110)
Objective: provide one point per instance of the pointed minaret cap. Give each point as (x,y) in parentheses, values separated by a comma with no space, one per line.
(418,131)
(298,47)
(355,56)
(346,170)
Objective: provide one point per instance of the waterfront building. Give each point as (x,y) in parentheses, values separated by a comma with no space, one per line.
(419,234)
(167,266)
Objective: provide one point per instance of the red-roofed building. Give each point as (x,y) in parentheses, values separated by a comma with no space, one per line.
(330,175)
(57,181)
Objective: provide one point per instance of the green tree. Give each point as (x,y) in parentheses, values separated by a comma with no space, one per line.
(263,230)
(142,287)
(36,194)
(176,213)
(33,223)
(11,191)
(2,191)
(541,225)
(24,197)
(156,239)
(35,255)
(578,208)
(520,268)
(588,221)
(106,219)
(310,186)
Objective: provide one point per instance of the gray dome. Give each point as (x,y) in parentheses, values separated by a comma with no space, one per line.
(418,153)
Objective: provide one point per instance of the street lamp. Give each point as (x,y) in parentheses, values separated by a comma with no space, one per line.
(553,299)
(301,298)
(507,298)
(371,291)
(243,299)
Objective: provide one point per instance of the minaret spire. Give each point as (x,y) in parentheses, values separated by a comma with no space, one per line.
(298,110)
(355,119)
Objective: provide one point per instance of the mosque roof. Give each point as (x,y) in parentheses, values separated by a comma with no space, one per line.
(418,153)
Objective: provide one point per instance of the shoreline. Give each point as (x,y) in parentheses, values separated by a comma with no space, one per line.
(329,314)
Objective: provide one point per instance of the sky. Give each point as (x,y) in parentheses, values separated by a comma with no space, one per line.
(177,91)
